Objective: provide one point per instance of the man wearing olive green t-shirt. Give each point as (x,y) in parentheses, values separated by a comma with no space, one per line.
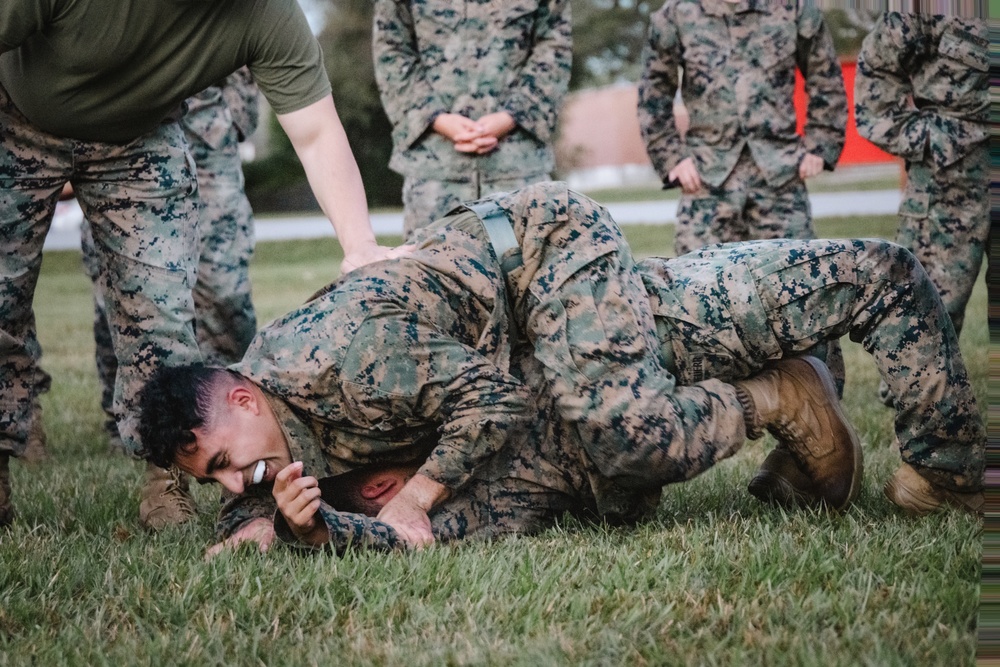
(90,91)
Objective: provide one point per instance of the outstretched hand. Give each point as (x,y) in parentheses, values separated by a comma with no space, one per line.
(260,531)
(407,511)
(372,253)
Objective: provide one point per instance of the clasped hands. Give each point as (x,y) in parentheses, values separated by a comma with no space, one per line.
(474,136)
(686,173)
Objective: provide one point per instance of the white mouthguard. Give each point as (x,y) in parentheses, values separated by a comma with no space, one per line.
(258,472)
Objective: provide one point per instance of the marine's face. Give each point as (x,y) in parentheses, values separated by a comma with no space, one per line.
(245,446)
(372,490)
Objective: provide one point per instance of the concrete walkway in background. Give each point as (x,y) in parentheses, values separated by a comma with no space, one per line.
(65,232)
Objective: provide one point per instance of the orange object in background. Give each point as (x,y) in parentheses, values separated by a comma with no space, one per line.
(857,149)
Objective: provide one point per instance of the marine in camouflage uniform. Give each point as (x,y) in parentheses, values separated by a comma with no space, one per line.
(110,129)
(473,58)
(625,386)
(921,93)
(215,121)
(735,66)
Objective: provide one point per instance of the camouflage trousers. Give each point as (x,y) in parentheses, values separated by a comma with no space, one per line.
(225,320)
(944,220)
(426,200)
(140,200)
(746,207)
(743,208)
(580,301)
(726,311)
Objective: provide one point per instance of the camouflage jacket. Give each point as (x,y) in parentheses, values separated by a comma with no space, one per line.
(472,57)
(922,87)
(410,356)
(235,103)
(738,63)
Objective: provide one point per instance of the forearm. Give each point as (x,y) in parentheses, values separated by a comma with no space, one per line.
(826,115)
(321,144)
(238,511)
(657,89)
(883,95)
(343,531)
(478,421)
(407,96)
(537,94)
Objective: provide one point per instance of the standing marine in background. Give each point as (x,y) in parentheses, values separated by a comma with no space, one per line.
(472,89)
(922,94)
(741,166)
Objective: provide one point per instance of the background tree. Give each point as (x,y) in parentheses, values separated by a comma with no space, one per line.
(277,181)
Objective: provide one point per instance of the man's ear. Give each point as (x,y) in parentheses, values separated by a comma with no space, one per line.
(375,487)
(241,396)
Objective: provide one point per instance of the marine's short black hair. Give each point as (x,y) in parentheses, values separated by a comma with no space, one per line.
(174,402)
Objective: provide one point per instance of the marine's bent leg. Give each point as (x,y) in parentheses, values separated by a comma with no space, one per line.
(224,314)
(879,294)
(593,332)
(784,212)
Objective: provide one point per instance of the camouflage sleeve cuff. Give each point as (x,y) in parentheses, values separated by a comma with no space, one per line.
(419,122)
(346,531)
(237,511)
(448,466)
(537,119)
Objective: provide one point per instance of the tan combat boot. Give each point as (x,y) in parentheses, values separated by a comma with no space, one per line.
(6,508)
(796,400)
(36,450)
(781,481)
(165,498)
(918,496)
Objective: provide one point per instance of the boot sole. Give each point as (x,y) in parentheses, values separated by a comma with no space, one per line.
(831,400)
(774,489)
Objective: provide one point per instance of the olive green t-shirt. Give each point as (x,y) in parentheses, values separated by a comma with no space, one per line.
(112,70)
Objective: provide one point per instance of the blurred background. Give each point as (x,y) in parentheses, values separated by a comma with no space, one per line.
(608,37)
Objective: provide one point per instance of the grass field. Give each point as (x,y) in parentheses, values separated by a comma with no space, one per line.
(716,579)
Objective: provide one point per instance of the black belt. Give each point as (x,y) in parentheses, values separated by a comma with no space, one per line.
(500,233)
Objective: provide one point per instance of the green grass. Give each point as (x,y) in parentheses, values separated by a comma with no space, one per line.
(716,579)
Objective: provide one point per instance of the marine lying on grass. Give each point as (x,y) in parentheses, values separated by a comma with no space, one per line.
(550,373)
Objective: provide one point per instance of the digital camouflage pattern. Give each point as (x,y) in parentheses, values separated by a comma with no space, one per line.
(428,199)
(735,67)
(140,200)
(726,311)
(214,122)
(470,57)
(718,315)
(744,207)
(922,93)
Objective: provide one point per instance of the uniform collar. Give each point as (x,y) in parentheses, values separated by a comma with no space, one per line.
(303,445)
